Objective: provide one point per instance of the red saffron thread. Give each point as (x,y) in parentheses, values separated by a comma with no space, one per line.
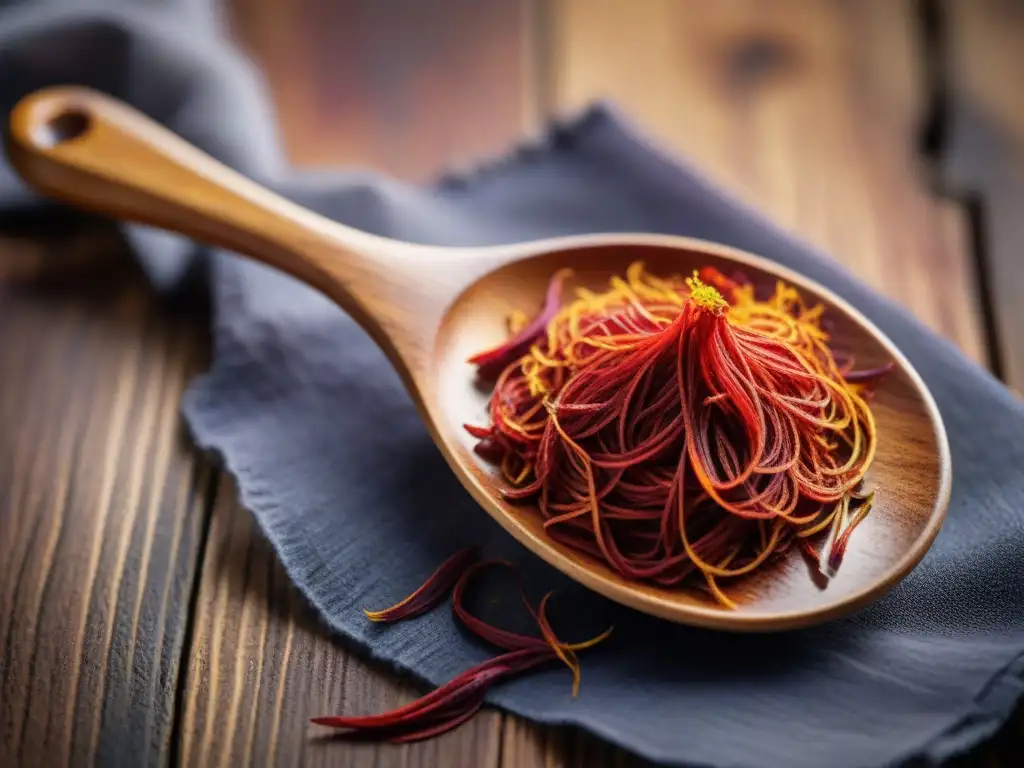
(455,702)
(675,433)
(432,592)
(493,361)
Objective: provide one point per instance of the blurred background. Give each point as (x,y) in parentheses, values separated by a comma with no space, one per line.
(890,133)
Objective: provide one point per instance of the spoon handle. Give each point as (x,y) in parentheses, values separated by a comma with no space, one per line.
(98,153)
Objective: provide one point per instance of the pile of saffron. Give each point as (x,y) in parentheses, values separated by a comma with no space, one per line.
(455,702)
(682,430)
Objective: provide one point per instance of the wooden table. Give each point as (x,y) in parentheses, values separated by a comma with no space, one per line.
(143,618)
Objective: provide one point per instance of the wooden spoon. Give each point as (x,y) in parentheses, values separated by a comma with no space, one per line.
(430,308)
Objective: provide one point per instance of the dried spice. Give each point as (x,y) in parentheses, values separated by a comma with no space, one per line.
(456,701)
(432,592)
(493,361)
(683,428)
(673,428)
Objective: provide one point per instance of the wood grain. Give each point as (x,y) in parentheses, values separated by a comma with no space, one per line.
(101,504)
(808,111)
(980,151)
(737,106)
(263,664)
(290,667)
(102,519)
(403,88)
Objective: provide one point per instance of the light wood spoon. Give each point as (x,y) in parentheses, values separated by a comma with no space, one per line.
(430,308)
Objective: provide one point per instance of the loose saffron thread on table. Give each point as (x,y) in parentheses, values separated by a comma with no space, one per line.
(679,428)
(455,702)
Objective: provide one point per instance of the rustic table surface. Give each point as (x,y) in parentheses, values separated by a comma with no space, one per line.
(143,619)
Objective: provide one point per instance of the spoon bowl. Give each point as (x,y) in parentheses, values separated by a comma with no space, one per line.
(431,308)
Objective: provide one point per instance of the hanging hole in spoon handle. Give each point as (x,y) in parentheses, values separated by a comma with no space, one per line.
(66,125)
(92,151)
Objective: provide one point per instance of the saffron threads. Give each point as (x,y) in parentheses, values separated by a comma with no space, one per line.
(679,429)
(433,591)
(455,702)
(493,361)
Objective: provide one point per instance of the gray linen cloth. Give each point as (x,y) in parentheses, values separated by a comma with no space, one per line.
(928,671)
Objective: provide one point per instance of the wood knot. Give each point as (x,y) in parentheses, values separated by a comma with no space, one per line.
(757,59)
